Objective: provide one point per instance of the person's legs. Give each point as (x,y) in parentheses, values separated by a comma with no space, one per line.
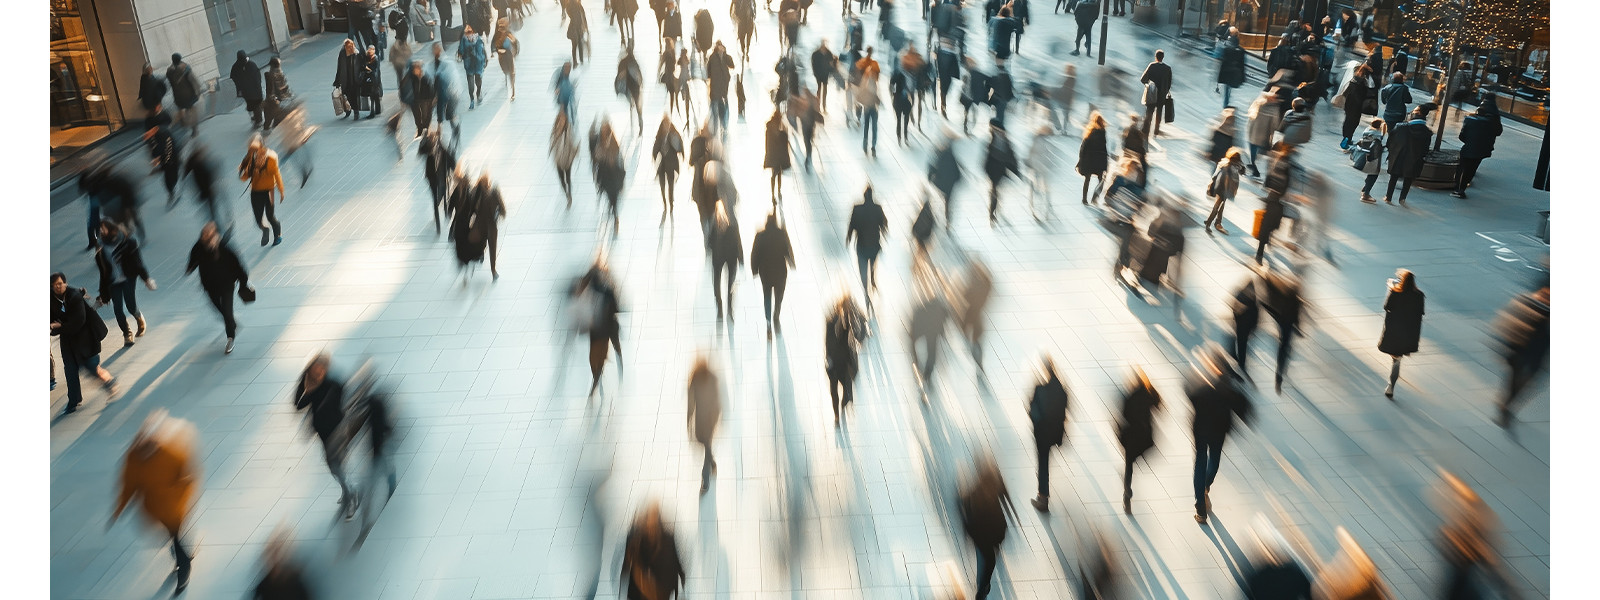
(169,177)
(1255,151)
(1389,195)
(986,564)
(766,300)
(69,370)
(1043,450)
(1405,187)
(1394,376)
(705,468)
(119,295)
(1149,120)
(777,304)
(1242,332)
(1127,477)
(1215,217)
(336,467)
(716,283)
(861,263)
(1227,96)
(1285,340)
(223,302)
(1366,189)
(1468,170)
(1201,475)
(1213,461)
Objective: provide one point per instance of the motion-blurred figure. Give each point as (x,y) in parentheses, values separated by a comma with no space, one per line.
(1523,329)
(705,413)
(165,158)
(323,399)
(113,191)
(651,569)
(121,266)
(605,156)
(1136,429)
(380,436)
(1351,575)
(845,330)
(1217,401)
(985,508)
(1279,295)
(928,320)
(868,225)
(564,150)
(771,257)
(284,578)
(1467,540)
(945,172)
(1402,322)
(970,306)
(1048,412)
(294,137)
(202,170)
(220,268)
(597,295)
(478,210)
(668,152)
(1273,573)
(159,469)
(1098,569)
(438,166)
(727,253)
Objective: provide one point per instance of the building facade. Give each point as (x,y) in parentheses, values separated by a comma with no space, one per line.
(98,49)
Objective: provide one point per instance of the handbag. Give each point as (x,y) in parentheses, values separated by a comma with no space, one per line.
(1166,109)
(1359,157)
(247,294)
(340,105)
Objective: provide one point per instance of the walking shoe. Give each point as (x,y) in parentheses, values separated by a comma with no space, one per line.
(229,348)
(1386,200)
(350,507)
(127,340)
(1254,172)
(141,325)
(1459,194)
(1402,201)
(1368,199)
(1389,391)
(278,240)
(1201,519)
(1344,144)
(1041,503)
(266,237)
(1076,53)
(1222,230)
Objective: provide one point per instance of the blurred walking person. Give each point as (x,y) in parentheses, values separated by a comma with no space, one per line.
(727,252)
(630,84)
(985,509)
(506,48)
(705,413)
(1477,143)
(1264,121)
(284,578)
(1085,13)
(777,158)
(1283,172)
(260,168)
(1230,70)
(1224,186)
(164,156)
(160,470)
(323,400)
(971,307)
(474,57)
(279,98)
(186,91)
(844,331)
(564,150)
(1136,429)
(598,290)
(246,78)
(75,321)
(1467,540)
(998,161)
(1523,333)
(417,90)
(1047,410)
(868,225)
(1402,322)
(1217,401)
(200,169)
(425,22)
(220,269)
(651,568)
(944,172)
(771,257)
(668,152)
(929,316)
(121,266)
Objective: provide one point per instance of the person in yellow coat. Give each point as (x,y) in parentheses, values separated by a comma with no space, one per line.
(160,470)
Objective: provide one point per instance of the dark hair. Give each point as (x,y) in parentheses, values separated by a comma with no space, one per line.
(1160,55)
(58,275)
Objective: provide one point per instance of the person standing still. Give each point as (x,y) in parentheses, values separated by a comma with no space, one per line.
(246,78)
(121,266)
(1394,98)
(220,269)
(186,91)
(1048,412)
(1224,186)
(1402,322)
(74,320)
(160,471)
(1157,78)
(771,257)
(868,225)
(1477,143)
(260,168)
(1408,147)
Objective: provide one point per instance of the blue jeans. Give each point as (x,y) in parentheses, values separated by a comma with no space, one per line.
(1207,459)
(123,292)
(869,127)
(719,112)
(1227,96)
(1255,151)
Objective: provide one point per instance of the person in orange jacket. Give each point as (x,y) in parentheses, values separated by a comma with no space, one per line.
(161,471)
(260,168)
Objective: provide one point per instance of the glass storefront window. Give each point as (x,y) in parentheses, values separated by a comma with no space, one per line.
(80,110)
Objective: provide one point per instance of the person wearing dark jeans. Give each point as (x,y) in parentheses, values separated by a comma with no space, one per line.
(1478,133)
(1207,460)
(1085,13)
(80,330)
(985,510)
(1136,429)
(1217,401)
(1160,74)
(260,168)
(771,257)
(323,398)
(1408,146)
(220,270)
(868,225)
(121,266)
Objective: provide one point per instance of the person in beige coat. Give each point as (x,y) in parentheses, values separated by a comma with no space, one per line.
(161,471)
(705,412)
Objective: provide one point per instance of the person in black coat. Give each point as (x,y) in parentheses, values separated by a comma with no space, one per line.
(1001,93)
(997,162)
(164,155)
(1285,169)
(771,257)
(1048,412)
(200,169)
(844,331)
(727,252)
(777,153)
(151,89)
(1230,71)
(439,165)
(985,509)
(372,80)
(605,331)
(323,400)
(1217,401)
(418,86)
(868,225)
(347,75)
(1154,105)
(80,328)
(1477,143)
(1355,97)
(1093,159)
(944,172)
(1408,146)
(1402,322)
(900,93)
(220,270)
(246,78)
(1085,13)
(121,266)
(1136,428)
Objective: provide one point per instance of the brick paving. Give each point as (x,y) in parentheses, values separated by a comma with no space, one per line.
(497,449)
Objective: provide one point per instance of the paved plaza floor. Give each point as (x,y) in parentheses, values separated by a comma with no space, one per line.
(498,448)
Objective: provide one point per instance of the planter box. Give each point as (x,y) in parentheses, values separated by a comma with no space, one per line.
(1439,170)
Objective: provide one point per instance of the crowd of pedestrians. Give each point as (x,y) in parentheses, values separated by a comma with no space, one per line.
(1148,223)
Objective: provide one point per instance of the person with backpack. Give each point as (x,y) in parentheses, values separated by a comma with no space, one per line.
(985,509)
(1047,410)
(75,321)
(186,90)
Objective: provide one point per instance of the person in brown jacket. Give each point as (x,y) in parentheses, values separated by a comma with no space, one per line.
(705,412)
(161,471)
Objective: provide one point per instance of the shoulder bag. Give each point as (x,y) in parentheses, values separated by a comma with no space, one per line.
(247,294)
